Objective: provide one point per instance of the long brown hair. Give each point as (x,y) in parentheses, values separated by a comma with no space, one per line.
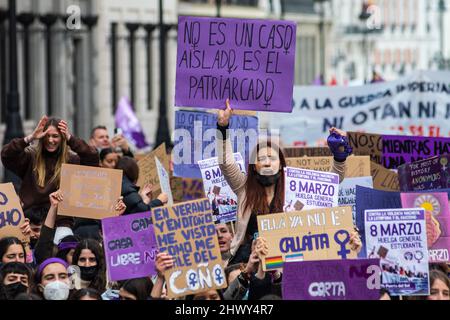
(63,156)
(256,199)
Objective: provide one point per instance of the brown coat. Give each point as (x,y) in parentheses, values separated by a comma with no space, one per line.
(236,179)
(19,158)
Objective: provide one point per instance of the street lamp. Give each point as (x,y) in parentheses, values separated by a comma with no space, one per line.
(218,3)
(163,134)
(321,3)
(442,9)
(14,127)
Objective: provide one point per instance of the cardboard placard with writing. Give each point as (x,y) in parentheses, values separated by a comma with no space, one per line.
(192,189)
(357,166)
(89,192)
(384,179)
(186,231)
(319,234)
(295,152)
(364,144)
(11,213)
(176,184)
(148,173)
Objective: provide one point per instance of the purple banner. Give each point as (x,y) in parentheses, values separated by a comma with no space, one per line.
(331,280)
(130,246)
(252,62)
(194,140)
(429,174)
(398,150)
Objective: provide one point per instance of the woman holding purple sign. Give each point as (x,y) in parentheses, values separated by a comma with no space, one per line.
(262,190)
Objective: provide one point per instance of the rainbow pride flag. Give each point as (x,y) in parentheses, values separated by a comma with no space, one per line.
(274,262)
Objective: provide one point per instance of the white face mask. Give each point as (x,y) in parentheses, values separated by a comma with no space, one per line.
(56,290)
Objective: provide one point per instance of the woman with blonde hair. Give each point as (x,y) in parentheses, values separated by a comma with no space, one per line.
(39,166)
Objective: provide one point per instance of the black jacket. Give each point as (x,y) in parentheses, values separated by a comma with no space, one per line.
(133,199)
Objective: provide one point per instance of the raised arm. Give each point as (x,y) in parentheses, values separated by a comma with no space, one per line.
(339,146)
(230,169)
(15,157)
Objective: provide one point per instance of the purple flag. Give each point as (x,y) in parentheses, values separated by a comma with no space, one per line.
(129,123)
(331,280)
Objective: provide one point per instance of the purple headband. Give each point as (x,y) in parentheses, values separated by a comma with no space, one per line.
(67,245)
(46,263)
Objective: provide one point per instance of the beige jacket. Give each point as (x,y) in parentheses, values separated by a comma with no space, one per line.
(236,179)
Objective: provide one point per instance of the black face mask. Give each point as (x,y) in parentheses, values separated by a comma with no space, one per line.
(13,289)
(33,242)
(267,181)
(88,273)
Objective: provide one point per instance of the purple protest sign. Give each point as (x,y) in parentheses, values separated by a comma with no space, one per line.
(398,150)
(437,217)
(428,174)
(332,280)
(252,62)
(130,246)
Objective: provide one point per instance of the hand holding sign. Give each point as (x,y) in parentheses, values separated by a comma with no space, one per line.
(164,261)
(55,198)
(25,228)
(225,115)
(120,206)
(355,242)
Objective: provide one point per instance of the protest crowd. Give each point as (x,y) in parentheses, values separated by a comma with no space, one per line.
(96,220)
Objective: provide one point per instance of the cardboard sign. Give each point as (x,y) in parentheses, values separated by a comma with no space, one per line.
(307,189)
(347,191)
(223,199)
(192,189)
(164,181)
(186,231)
(331,280)
(392,151)
(429,174)
(130,246)
(384,179)
(148,172)
(366,144)
(89,192)
(437,217)
(356,166)
(195,139)
(249,61)
(11,213)
(320,234)
(295,152)
(176,184)
(399,238)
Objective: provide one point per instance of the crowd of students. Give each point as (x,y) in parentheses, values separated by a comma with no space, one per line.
(66,259)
